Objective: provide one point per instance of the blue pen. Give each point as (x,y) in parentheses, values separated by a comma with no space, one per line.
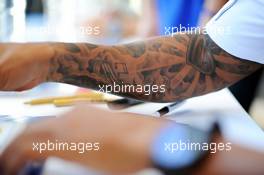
(32,168)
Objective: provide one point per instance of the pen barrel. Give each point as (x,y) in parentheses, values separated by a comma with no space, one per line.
(91,96)
(70,102)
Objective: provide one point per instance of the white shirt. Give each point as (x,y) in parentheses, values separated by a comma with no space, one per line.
(238,28)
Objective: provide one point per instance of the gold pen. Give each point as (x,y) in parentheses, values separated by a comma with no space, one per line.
(70,102)
(88,96)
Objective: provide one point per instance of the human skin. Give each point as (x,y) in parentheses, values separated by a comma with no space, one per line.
(211,7)
(187,64)
(122,148)
(125,142)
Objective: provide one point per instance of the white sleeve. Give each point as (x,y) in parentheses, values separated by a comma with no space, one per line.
(238,28)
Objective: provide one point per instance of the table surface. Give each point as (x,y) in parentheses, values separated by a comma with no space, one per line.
(237,126)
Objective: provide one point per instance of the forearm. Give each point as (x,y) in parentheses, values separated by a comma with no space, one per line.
(238,161)
(185,65)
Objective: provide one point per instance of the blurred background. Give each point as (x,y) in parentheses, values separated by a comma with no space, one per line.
(112,22)
(68,20)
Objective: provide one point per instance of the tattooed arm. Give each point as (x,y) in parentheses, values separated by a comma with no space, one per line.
(188,65)
(184,65)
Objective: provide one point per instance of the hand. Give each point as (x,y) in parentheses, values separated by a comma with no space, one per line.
(23,66)
(124,140)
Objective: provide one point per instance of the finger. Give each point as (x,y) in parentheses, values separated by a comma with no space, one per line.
(8,157)
(18,157)
(15,164)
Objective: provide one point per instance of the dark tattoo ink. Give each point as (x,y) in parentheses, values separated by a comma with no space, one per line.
(72,47)
(188,65)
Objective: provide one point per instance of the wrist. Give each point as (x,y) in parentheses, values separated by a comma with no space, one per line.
(41,56)
(140,141)
(182,149)
(51,48)
(210,164)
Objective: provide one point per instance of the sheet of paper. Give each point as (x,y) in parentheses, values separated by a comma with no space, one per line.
(199,112)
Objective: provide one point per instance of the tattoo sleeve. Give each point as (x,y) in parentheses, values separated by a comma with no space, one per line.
(187,66)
